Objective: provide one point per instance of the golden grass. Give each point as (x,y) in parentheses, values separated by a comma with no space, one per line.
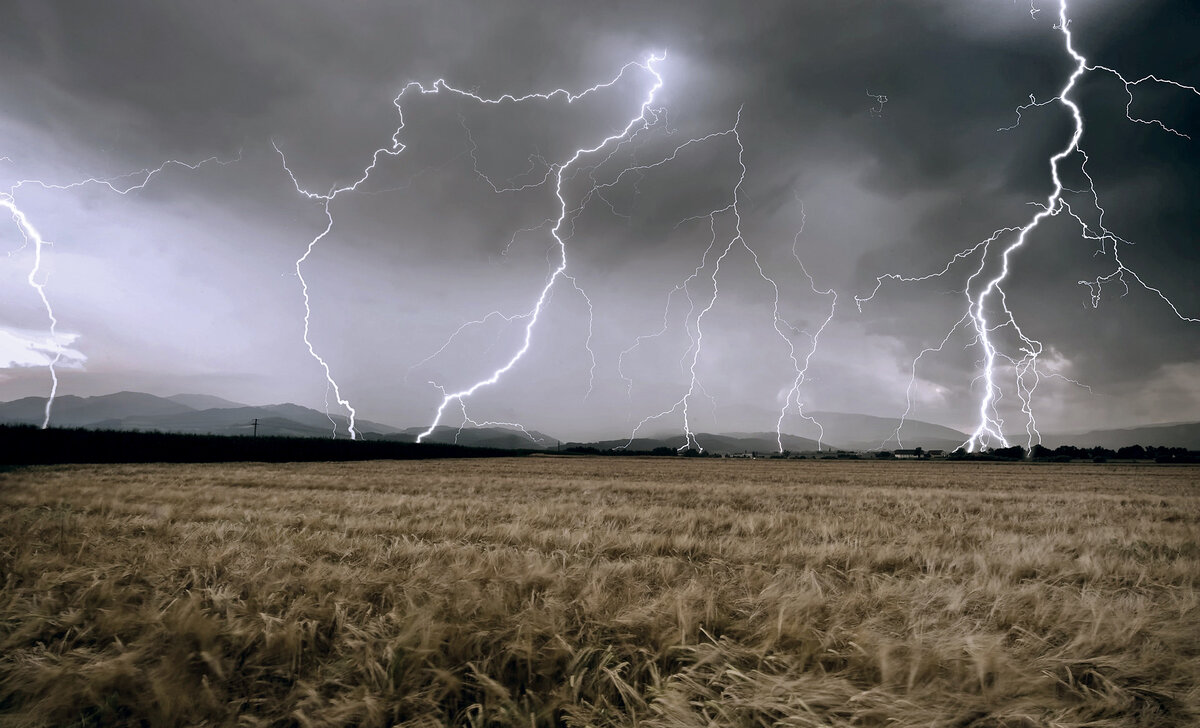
(601,592)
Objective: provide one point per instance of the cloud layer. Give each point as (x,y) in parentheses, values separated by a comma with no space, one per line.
(190,283)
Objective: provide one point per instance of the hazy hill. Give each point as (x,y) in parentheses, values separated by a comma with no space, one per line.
(140,411)
(725,444)
(865,432)
(70,410)
(204,401)
(1186,434)
(206,414)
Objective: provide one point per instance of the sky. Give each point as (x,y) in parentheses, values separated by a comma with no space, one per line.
(844,141)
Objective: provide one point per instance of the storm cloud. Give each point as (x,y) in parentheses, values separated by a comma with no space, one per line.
(189,284)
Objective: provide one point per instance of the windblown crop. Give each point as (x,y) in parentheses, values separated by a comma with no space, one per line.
(601,591)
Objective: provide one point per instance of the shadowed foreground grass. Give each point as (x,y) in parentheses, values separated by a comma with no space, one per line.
(604,592)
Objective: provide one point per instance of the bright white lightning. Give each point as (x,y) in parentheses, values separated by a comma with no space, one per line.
(556,231)
(564,229)
(30,233)
(396,148)
(558,172)
(330,382)
(563,226)
(990,426)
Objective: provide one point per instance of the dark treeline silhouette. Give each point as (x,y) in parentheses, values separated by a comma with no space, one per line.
(27,445)
(1068,453)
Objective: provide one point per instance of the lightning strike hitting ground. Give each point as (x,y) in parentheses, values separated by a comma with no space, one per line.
(814,340)
(693,325)
(120,184)
(29,232)
(639,121)
(985,293)
(563,227)
(557,172)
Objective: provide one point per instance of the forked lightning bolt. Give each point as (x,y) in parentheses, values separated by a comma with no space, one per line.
(880,101)
(814,341)
(639,121)
(563,228)
(693,320)
(30,233)
(122,185)
(556,172)
(984,292)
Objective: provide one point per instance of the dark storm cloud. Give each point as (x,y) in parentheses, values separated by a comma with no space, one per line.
(899,191)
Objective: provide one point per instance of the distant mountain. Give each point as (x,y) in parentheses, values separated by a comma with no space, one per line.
(206,414)
(318,419)
(204,401)
(1185,434)
(72,411)
(140,411)
(865,432)
(725,444)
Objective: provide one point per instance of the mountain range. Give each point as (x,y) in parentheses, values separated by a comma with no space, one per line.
(865,432)
(721,444)
(186,413)
(203,413)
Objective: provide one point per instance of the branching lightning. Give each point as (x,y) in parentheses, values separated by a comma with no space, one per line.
(639,121)
(122,185)
(814,341)
(558,172)
(29,232)
(541,172)
(694,320)
(880,101)
(985,291)
(1009,367)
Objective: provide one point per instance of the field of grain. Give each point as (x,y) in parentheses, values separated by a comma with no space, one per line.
(601,592)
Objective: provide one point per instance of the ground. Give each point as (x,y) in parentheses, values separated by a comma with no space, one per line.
(601,591)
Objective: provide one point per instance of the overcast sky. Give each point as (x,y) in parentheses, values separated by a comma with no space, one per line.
(189,284)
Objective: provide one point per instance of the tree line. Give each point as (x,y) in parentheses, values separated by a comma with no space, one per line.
(28,445)
(1068,453)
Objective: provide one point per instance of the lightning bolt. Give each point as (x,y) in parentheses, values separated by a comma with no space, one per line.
(814,341)
(641,120)
(563,226)
(557,172)
(123,184)
(983,288)
(589,160)
(693,320)
(880,100)
(29,232)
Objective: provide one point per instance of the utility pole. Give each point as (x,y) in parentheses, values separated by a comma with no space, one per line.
(255,427)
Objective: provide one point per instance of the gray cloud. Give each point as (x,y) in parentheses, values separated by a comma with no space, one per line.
(207,257)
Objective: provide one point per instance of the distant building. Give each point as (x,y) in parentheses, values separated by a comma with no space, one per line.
(908,454)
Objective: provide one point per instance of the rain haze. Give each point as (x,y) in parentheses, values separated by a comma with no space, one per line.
(857,139)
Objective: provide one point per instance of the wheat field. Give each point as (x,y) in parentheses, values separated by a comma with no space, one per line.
(601,592)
